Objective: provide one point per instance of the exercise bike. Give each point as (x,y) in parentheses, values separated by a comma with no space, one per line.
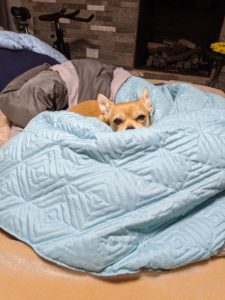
(59,43)
(21,15)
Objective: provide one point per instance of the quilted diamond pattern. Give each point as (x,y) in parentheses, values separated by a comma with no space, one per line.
(111,203)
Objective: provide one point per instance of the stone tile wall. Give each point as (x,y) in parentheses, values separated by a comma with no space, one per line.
(222,38)
(110,36)
(222,32)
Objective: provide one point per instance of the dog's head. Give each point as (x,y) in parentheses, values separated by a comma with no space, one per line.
(126,115)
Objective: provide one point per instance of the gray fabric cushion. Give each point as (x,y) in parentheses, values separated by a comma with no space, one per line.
(94,77)
(35,91)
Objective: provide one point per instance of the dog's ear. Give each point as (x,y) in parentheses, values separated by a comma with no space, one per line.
(146,100)
(105,105)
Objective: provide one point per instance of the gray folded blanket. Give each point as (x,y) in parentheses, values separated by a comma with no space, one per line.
(42,88)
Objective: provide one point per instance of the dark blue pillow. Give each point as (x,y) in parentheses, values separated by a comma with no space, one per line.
(15,62)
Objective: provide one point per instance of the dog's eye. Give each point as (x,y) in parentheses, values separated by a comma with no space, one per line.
(140,118)
(118,121)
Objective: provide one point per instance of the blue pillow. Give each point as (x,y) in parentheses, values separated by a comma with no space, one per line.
(16,62)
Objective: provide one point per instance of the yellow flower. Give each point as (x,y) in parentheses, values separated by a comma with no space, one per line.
(218,47)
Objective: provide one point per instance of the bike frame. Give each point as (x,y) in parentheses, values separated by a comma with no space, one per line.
(22,14)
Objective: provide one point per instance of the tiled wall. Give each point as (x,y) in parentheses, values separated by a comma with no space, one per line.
(110,36)
(222,37)
(222,33)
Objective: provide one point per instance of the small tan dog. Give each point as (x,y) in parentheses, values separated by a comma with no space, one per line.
(121,116)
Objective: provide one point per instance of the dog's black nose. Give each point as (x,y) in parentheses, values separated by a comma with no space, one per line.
(130,127)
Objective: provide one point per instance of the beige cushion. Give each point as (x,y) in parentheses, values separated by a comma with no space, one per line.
(25,276)
(4,129)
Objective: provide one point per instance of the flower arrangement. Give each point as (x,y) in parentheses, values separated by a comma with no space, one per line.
(217,51)
(218,47)
(217,54)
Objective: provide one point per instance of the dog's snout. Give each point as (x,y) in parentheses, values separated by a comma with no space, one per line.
(130,127)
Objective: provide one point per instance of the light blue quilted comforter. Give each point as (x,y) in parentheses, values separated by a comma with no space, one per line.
(111,203)
(17,41)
